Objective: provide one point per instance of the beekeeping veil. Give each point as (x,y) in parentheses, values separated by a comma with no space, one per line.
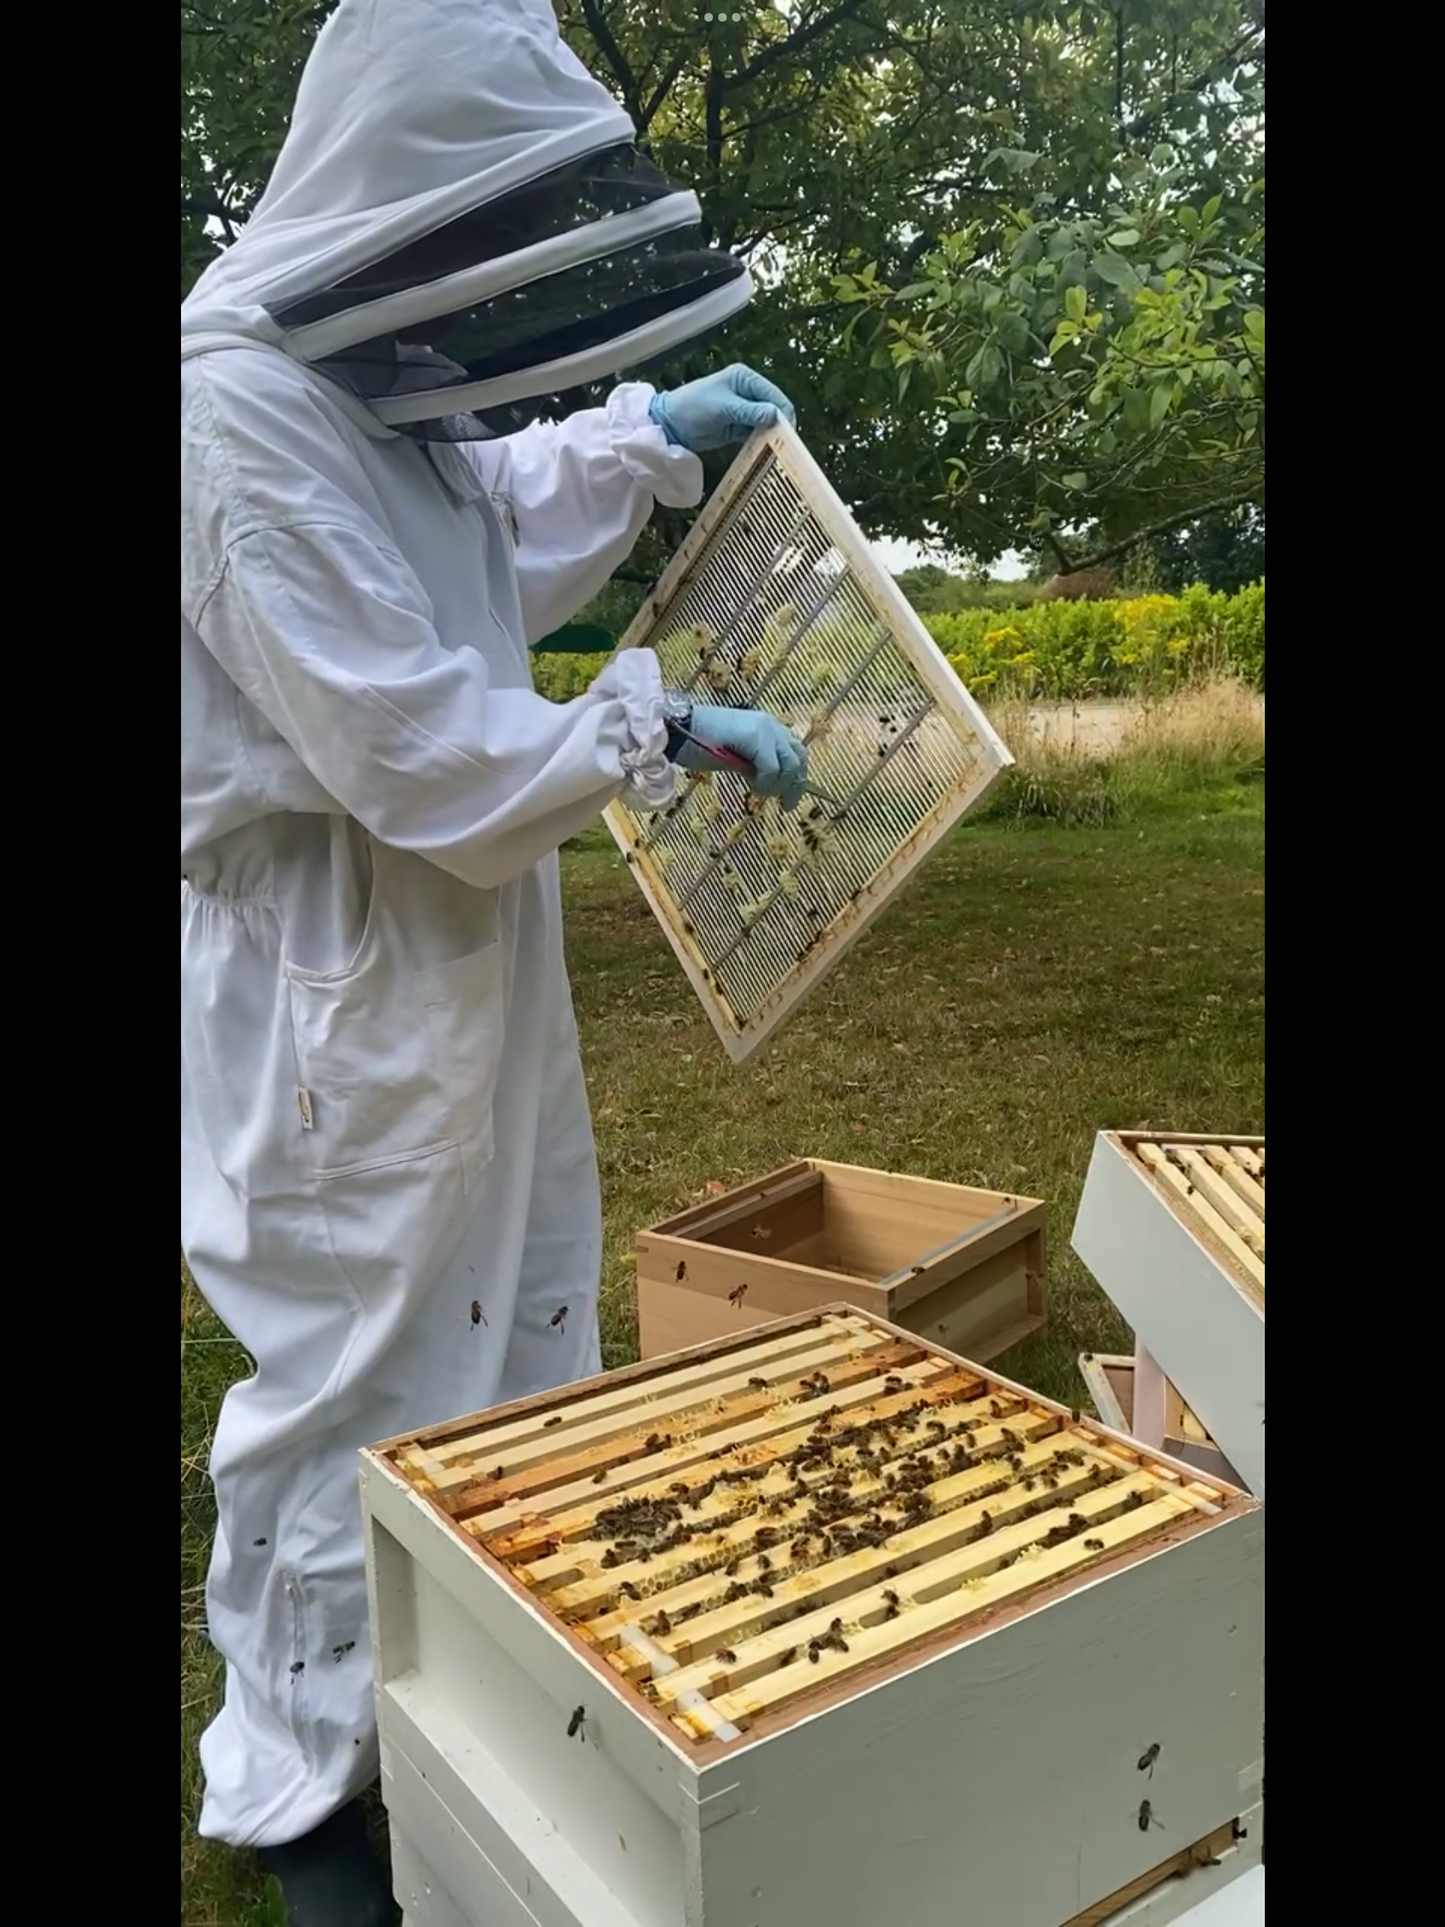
(460,224)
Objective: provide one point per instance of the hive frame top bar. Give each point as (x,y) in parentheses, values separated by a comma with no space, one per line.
(752,961)
(706,1709)
(1214,1185)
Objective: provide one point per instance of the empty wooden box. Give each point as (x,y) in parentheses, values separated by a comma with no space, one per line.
(1172,1226)
(813,1627)
(962,1267)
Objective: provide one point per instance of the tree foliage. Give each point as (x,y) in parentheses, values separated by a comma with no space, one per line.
(1225,552)
(830,139)
(1104,369)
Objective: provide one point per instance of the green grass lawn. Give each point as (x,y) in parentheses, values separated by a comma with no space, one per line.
(1035,984)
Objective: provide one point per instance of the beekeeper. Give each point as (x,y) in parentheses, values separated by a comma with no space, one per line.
(389,1192)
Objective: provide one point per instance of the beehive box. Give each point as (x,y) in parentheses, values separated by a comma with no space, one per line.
(1172,1227)
(820,1624)
(1159,1418)
(962,1267)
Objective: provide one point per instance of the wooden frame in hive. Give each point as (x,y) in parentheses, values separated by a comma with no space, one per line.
(776,599)
(1172,1226)
(802,1625)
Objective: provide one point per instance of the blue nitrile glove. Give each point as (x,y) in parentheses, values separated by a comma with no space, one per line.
(719,409)
(779,761)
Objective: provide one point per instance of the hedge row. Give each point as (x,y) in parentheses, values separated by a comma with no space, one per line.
(1063,651)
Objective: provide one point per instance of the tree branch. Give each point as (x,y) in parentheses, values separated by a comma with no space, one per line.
(1231,56)
(206,210)
(1166,527)
(617,60)
(661,91)
(802,36)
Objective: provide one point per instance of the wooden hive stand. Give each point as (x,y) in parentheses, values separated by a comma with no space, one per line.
(819,1624)
(1172,1227)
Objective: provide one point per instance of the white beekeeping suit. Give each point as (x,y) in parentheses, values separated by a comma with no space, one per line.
(388,1185)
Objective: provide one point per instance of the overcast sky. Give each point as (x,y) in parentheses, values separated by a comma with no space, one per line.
(897,556)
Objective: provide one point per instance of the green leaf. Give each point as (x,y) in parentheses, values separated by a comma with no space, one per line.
(1160,401)
(1163,155)
(1116,272)
(1066,332)
(1127,237)
(1254,325)
(985,368)
(1077,480)
(1076,303)
(1012,331)
(1028,249)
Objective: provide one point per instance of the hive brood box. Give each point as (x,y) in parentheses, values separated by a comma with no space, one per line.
(1172,1227)
(961,1266)
(819,1625)
(776,600)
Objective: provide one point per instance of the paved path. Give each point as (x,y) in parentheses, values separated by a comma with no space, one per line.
(1095,726)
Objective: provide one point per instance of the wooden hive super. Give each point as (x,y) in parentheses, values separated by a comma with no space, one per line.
(818,1625)
(1172,1226)
(963,1266)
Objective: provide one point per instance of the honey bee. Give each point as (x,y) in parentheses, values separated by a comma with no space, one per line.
(577,1724)
(627,1589)
(556,1419)
(657,1441)
(757,1384)
(786,1658)
(479,1317)
(735,1297)
(558,1320)
(1094,1545)
(1146,1817)
(601,1478)
(662,1624)
(1148,1758)
(725,1656)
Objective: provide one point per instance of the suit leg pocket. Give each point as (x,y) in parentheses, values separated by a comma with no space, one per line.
(396,1063)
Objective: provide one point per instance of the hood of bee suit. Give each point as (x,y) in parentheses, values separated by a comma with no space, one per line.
(459,224)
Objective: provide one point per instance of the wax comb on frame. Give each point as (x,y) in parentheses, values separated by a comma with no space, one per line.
(775,599)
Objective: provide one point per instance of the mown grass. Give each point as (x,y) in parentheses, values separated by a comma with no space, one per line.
(1049,974)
